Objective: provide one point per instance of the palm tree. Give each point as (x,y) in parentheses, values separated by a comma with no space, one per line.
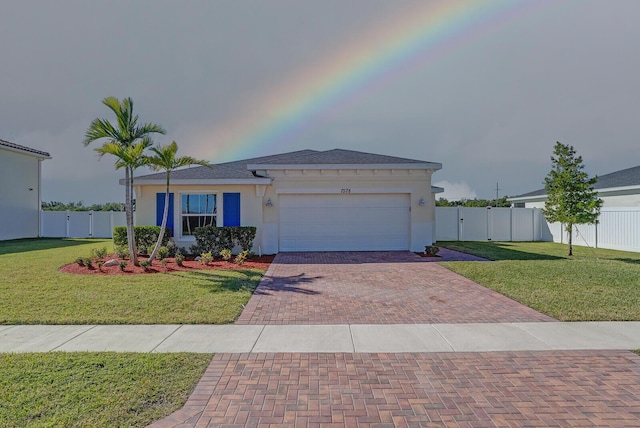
(126,133)
(165,159)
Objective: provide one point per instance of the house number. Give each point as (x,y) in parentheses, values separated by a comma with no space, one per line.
(345,190)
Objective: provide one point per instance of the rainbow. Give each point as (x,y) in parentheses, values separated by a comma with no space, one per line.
(373,58)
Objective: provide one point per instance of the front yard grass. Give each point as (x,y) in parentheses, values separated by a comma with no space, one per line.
(34,291)
(95,389)
(593,285)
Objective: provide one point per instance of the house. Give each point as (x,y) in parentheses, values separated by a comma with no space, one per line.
(334,200)
(617,189)
(20,190)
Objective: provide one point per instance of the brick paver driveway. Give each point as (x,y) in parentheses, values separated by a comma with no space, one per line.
(497,389)
(374,288)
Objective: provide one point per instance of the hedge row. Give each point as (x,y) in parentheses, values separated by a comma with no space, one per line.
(216,239)
(145,236)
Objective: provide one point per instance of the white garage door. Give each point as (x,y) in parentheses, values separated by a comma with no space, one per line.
(352,222)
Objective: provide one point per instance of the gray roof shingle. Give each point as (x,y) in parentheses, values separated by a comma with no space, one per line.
(238,169)
(622,178)
(24,148)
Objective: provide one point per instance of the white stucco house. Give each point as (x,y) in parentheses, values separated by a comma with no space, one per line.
(616,189)
(334,200)
(20,190)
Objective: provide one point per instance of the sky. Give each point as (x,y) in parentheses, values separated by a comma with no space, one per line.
(484,87)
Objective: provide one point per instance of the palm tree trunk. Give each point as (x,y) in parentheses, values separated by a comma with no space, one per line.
(165,215)
(129,215)
(570,230)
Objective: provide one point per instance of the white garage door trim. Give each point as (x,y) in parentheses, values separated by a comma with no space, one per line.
(351,222)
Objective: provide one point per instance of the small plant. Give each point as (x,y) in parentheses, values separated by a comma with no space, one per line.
(88,263)
(225,254)
(240,258)
(98,253)
(146,265)
(100,263)
(122,265)
(122,251)
(80,261)
(431,250)
(179,259)
(164,263)
(163,253)
(206,258)
(172,248)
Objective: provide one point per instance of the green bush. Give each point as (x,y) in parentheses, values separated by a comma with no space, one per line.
(431,250)
(146,265)
(98,253)
(163,253)
(122,264)
(122,251)
(216,239)
(206,258)
(225,254)
(145,236)
(179,259)
(240,258)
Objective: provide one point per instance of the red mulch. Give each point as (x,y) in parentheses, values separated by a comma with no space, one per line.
(157,266)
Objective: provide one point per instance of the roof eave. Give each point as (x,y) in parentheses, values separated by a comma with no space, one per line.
(196,181)
(399,166)
(39,155)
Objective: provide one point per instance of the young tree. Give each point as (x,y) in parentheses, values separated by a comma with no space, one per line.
(125,134)
(571,198)
(165,160)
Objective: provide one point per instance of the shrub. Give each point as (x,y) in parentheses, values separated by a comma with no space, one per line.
(225,254)
(99,263)
(80,261)
(163,253)
(145,236)
(88,263)
(179,259)
(206,258)
(240,258)
(164,262)
(146,265)
(244,236)
(216,239)
(431,250)
(99,253)
(172,248)
(122,251)
(122,265)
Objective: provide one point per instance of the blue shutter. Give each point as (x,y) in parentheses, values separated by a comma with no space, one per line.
(160,210)
(231,207)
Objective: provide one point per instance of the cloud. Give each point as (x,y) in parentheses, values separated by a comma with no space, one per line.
(455,191)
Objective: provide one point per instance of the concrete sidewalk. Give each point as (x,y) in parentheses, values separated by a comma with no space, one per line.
(355,338)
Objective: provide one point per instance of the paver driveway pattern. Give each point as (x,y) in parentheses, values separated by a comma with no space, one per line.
(535,389)
(373,288)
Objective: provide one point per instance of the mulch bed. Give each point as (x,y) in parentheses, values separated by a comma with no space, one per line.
(157,266)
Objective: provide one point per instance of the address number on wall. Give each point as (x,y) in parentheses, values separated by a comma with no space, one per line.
(345,191)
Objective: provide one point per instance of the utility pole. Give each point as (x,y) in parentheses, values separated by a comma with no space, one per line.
(497,190)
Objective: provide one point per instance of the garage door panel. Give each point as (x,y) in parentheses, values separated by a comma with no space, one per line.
(344,222)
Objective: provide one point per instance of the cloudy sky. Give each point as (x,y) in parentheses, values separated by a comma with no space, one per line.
(484,87)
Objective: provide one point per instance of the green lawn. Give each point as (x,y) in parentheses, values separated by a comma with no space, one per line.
(593,285)
(34,291)
(94,389)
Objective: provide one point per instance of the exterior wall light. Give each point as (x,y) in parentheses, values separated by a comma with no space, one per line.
(422,202)
(269,203)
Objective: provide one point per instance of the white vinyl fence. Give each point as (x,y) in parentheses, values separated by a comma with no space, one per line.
(617,228)
(80,224)
(491,224)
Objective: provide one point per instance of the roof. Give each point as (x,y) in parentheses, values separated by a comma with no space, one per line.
(623,178)
(240,169)
(28,150)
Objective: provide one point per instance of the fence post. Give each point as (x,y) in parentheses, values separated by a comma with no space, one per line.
(111,223)
(91,224)
(68,220)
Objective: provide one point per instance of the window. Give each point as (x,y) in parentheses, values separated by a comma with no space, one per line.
(198,210)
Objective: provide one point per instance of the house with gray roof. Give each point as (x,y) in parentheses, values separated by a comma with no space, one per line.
(20,184)
(616,189)
(308,200)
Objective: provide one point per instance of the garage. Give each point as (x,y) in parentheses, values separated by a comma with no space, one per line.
(344,222)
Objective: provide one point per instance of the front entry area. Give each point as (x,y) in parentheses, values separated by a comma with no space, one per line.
(344,222)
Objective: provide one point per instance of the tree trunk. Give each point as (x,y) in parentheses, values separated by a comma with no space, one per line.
(570,230)
(129,215)
(165,215)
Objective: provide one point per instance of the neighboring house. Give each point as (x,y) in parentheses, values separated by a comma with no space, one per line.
(20,191)
(335,200)
(617,189)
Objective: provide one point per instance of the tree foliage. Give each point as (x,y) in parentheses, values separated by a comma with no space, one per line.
(79,206)
(502,202)
(571,198)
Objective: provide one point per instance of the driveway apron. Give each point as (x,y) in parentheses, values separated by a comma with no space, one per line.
(468,389)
